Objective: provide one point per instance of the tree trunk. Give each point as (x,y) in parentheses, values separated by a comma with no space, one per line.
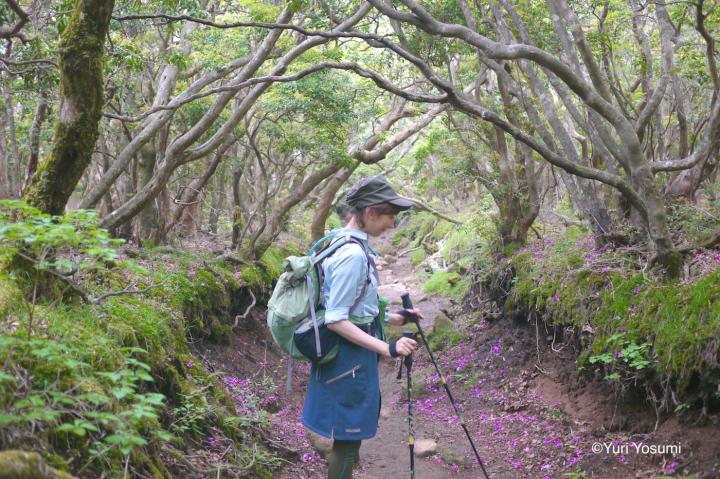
(317,228)
(12,152)
(262,241)
(148,227)
(218,201)
(187,207)
(81,99)
(4,177)
(35,130)
(237,216)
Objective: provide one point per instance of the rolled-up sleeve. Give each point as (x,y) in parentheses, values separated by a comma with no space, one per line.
(345,276)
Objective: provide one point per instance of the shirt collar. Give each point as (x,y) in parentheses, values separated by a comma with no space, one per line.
(361,235)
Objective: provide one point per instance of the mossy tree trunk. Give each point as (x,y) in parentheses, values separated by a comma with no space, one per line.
(81,99)
(219,197)
(18,464)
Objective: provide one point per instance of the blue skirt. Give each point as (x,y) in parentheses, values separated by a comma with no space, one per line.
(343,397)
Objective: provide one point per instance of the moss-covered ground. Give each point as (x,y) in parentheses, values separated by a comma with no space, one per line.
(634,326)
(113,389)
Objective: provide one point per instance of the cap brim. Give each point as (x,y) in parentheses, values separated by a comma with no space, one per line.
(401,203)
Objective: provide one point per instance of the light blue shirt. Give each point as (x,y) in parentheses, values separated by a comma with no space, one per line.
(346,272)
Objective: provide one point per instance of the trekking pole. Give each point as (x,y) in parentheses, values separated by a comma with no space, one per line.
(408,361)
(407,304)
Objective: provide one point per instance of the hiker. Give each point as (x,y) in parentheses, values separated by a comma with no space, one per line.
(343,397)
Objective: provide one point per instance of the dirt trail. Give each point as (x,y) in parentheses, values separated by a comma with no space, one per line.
(387,454)
(527,421)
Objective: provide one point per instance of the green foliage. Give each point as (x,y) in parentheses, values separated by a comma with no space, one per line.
(333,221)
(469,241)
(191,415)
(623,356)
(61,243)
(109,380)
(693,221)
(106,411)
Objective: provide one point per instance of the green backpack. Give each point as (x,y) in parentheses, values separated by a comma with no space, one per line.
(295,307)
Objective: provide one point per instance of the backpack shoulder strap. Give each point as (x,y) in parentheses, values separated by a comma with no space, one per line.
(366,284)
(327,251)
(332,248)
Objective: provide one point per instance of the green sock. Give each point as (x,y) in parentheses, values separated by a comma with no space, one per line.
(343,457)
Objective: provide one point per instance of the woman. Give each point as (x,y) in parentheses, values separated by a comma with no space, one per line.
(343,397)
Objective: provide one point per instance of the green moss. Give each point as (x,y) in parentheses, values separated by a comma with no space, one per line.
(273,259)
(442,229)
(448,284)
(509,250)
(417,256)
(445,338)
(11,298)
(27,465)
(79,340)
(681,321)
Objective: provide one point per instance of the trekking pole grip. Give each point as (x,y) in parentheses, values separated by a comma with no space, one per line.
(406,301)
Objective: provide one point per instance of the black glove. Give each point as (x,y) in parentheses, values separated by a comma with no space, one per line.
(393,350)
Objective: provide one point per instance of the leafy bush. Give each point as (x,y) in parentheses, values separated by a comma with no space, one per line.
(55,389)
(63,244)
(624,358)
